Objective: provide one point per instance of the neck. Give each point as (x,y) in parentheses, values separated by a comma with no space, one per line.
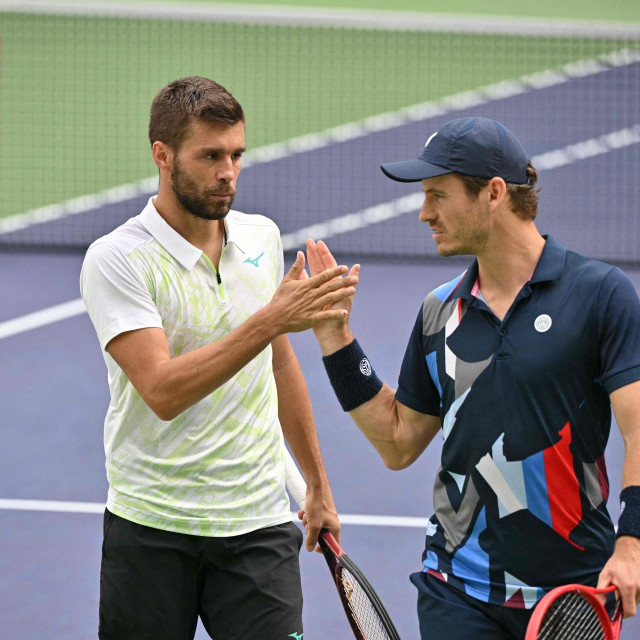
(510,260)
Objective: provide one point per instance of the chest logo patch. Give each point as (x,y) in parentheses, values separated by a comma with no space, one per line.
(543,323)
(254,261)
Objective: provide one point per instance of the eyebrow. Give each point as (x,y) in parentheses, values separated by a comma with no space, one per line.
(433,190)
(211,150)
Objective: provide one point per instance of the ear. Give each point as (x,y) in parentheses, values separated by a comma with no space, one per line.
(162,155)
(497,192)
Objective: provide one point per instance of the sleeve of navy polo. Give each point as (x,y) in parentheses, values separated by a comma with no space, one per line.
(416,388)
(115,294)
(618,331)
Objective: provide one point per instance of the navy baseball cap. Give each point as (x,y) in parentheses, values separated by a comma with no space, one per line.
(478,147)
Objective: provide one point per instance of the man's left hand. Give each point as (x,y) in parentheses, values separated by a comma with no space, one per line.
(319,513)
(623,570)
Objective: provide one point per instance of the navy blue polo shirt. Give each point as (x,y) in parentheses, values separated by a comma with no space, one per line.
(520,497)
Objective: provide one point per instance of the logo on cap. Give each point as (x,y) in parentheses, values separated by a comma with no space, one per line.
(431,137)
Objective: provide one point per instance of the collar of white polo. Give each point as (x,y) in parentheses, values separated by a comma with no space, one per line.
(182,250)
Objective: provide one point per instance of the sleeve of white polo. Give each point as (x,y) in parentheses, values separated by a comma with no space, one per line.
(115,294)
(280,260)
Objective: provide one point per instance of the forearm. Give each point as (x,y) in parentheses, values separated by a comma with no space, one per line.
(377,418)
(398,433)
(631,478)
(631,466)
(379,421)
(178,383)
(296,418)
(623,568)
(171,385)
(333,338)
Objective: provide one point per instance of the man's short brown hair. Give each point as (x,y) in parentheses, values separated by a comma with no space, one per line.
(190,98)
(523,197)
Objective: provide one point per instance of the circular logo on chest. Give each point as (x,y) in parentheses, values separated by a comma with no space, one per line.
(365,367)
(543,323)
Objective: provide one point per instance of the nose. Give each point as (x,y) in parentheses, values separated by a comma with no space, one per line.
(425,214)
(225,171)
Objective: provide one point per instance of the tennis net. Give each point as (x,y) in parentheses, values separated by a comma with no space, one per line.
(326,100)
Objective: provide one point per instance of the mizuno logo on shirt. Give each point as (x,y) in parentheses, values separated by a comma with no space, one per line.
(254,261)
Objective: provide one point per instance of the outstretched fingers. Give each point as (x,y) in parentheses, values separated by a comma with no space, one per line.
(327,275)
(316,265)
(335,293)
(325,255)
(329,314)
(319,257)
(297,271)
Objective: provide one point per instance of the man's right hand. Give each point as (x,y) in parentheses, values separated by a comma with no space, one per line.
(335,333)
(302,302)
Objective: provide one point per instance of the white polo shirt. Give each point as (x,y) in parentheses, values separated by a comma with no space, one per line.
(218,468)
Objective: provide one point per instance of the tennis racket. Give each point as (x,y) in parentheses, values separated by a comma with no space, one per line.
(573,612)
(367,616)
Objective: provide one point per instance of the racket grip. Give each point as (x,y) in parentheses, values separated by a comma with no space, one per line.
(296,485)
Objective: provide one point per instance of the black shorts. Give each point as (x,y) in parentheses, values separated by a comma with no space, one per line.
(154,583)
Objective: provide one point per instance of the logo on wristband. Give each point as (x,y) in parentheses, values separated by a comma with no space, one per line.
(365,367)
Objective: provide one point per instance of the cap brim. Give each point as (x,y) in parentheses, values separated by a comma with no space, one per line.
(412,170)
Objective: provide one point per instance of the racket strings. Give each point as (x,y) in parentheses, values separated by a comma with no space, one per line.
(571,617)
(363,610)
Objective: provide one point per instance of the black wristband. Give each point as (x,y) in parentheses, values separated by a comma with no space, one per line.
(629,521)
(351,376)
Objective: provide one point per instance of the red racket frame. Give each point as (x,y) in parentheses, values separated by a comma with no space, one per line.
(611,627)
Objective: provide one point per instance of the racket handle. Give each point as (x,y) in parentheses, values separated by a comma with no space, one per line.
(296,485)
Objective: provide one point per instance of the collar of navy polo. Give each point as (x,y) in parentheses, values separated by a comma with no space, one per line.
(549,268)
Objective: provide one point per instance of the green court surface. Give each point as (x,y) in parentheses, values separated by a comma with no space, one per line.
(75,90)
(614,10)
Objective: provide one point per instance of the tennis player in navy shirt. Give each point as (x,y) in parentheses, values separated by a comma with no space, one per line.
(517,362)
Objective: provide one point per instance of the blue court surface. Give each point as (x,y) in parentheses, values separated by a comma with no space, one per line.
(55,395)
(54,400)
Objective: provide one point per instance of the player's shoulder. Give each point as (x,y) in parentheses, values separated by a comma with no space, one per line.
(438,303)
(248,222)
(120,242)
(581,266)
(443,292)
(593,275)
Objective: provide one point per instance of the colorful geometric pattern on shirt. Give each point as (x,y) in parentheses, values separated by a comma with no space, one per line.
(525,418)
(217,469)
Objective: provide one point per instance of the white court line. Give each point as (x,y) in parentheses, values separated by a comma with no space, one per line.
(42,318)
(353,221)
(349,131)
(98,507)
(360,219)
(52,505)
(332,17)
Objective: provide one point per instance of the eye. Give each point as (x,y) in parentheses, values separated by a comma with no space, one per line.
(237,156)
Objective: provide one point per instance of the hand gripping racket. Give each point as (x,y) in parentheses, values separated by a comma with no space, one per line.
(367,616)
(573,612)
